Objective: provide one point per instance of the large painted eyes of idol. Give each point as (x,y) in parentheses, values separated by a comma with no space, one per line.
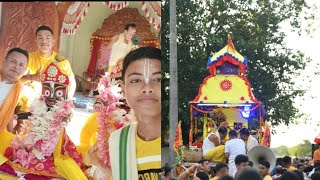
(46,90)
(47,93)
(59,93)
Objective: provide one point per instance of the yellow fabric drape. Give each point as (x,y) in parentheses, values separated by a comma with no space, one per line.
(5,139)
(65,165)
(9,105)
(88,135)
(216,154)
(7,176)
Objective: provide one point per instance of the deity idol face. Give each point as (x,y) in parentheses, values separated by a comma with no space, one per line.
(53,92)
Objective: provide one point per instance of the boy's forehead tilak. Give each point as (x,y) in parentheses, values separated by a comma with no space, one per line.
(146,69)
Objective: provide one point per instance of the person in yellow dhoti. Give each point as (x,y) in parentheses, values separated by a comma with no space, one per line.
(120,45)
(40,59)
(213,149)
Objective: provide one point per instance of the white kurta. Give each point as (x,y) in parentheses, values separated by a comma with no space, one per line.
(234,147)
(207,144)
(4,91)
(252,142)
(6,88)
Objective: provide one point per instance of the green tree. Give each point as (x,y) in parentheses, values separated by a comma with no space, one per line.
(304,149)
(281,151)
(254,25)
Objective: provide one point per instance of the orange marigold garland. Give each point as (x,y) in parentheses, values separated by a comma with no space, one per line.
(178,146)
(178,138)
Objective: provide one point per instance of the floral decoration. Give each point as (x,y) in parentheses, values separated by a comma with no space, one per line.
(226,85)
(42,132)
(110,117)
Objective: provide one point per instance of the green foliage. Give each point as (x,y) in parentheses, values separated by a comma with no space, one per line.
(301,150)
(304,149)
(281,151)
(254,25)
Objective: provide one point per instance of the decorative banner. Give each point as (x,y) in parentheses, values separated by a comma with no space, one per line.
(153,13)
(74,16)
(115,5)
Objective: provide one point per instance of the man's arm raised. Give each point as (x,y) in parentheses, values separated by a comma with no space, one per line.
(31,77)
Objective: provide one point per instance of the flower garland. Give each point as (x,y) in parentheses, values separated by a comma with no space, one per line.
(110,116)
(42,132)
(178,146)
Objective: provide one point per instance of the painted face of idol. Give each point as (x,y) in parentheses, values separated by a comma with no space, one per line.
(53,92)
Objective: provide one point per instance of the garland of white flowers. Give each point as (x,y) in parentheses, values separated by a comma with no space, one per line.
(42,133)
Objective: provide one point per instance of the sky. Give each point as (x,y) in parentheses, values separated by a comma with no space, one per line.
(294,134)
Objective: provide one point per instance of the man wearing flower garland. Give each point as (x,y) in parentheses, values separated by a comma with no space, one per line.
(41,58)
(135,150)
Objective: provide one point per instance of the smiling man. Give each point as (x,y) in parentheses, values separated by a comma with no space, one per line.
(45,56)
(13,67)
(135,150)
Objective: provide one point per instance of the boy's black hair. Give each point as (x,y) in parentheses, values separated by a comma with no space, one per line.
(286,160)
(265,163)
(233,133)
(202,175)
(220,166)
(279,170)
(240,159)
(225,177)
(133,25)
(166,169)
(299,174)
(223,130)
(19,50)
(46,28)
(289,175)
(245,131)
(198,135)
(299,165)
(202,161)
(248,174)
(138,54)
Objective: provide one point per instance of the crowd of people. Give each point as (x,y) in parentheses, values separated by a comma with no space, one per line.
(285,169)
(229,151)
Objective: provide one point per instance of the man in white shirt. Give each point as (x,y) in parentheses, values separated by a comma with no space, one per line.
(212,148)
(248,139)
(13,67)
(233,148)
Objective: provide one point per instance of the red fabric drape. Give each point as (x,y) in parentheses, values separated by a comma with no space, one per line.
(91,71)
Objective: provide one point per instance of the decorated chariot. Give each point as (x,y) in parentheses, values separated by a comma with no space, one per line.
(224,96)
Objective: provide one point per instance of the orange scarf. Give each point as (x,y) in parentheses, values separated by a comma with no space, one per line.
(9,105)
